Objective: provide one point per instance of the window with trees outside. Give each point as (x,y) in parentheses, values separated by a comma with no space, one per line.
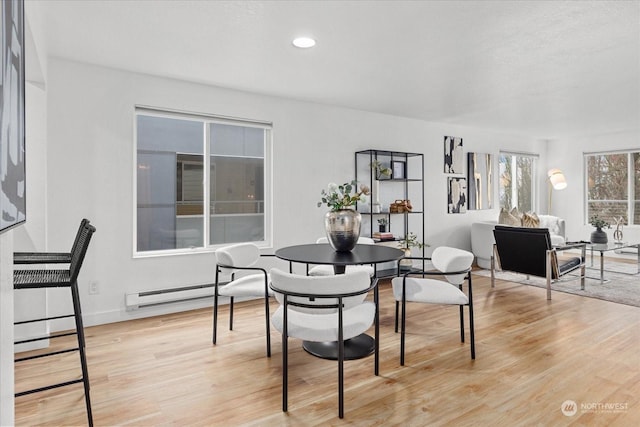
(613,186)
(517,181)
(201,181)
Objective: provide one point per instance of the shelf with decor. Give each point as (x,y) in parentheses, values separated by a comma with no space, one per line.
(396,181)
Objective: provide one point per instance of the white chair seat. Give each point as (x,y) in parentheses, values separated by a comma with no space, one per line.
(247,286)
(428,291)
(327,270)
(324,327)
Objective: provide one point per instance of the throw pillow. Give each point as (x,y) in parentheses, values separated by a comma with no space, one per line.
(530,220)
(516,214)
(505,218)
(550,222)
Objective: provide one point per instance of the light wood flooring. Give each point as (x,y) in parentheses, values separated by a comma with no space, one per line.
(531,356)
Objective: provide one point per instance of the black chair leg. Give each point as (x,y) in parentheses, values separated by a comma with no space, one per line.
(402,329)
(215,313)
(471,332)
(231,313)
(461,324)
(266,314)
(285,359)
(376,363)
(340,363)
(396,322)
(341,379)
(81,348)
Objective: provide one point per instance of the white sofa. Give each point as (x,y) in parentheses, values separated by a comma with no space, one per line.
(482,239)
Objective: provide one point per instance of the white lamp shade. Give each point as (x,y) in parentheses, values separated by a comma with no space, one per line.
(557,179)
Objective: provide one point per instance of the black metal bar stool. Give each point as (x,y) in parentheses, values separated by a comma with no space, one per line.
(58,278)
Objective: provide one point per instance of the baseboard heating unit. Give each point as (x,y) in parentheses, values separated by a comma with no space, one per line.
(165,296)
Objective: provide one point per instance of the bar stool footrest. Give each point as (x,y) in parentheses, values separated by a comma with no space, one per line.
(43,319)
(49,387)
(52,353)
(46,337)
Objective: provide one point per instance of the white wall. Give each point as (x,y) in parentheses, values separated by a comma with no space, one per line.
(90,165)
(32,303)
(6,329)
(567,155)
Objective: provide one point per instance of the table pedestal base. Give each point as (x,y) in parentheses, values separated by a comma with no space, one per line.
(354,348)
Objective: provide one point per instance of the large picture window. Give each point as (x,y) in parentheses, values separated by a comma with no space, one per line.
(201,181)
(613,186)
(518,181)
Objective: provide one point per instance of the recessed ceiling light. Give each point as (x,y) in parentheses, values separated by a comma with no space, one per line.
(304,42)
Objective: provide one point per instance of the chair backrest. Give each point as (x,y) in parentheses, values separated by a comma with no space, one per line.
(80,250)
(84,222)
(312,287)
(238,255)
(447,259)
(523,250)
(362,240)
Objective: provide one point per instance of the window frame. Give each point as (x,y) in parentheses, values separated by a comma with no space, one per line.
(206,120)
(535,187)
(631,196)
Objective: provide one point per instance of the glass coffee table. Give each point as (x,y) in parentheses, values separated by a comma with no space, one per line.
(611,246)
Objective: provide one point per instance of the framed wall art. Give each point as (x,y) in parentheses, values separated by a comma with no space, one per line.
(456,195)
(480,181)
(12,127)
(453,155)
(398,169)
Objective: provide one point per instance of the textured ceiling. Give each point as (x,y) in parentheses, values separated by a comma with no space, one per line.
(542,68)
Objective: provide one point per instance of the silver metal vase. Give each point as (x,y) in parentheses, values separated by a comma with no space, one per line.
(343,229)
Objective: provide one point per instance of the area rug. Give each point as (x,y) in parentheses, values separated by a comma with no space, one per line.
(619,288)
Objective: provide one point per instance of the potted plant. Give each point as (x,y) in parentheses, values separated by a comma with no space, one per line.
(379,172)
(599,236)
(382,224)
(406,243)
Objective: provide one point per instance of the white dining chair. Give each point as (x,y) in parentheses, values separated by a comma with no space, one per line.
(455,266)
(323,309)
(232,260)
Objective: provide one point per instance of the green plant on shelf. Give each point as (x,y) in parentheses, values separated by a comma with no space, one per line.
(383,221)
(380,170)
(411,241)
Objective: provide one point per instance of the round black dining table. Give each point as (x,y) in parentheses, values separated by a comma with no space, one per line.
(323,254)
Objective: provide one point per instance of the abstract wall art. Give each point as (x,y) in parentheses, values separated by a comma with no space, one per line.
(456,195)
(480,176)
(12,128)
(453,155)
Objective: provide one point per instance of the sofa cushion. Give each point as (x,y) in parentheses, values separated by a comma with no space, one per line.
(507,218)
(530,220)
